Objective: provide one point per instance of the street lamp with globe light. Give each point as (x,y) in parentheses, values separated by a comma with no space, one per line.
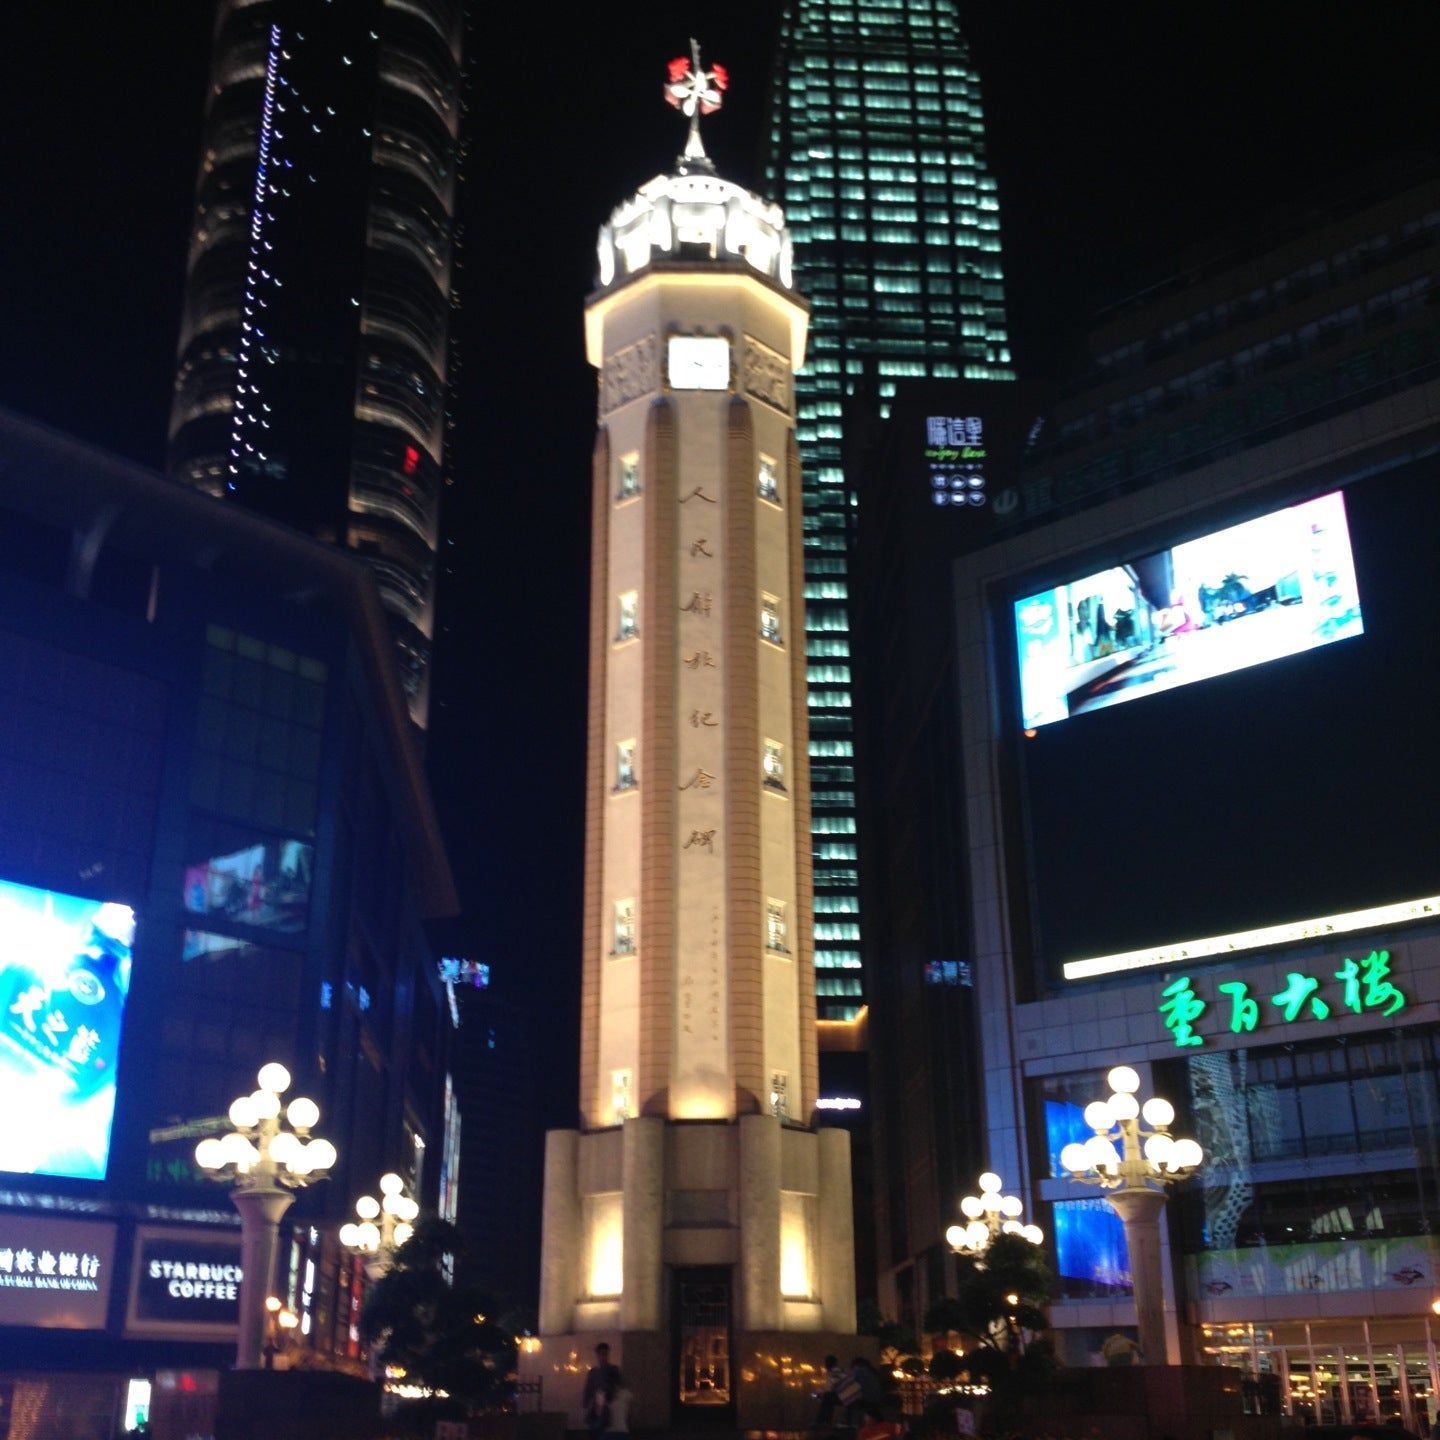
(1136,1175)
(990,1213)
(395,1213)
(264,1162)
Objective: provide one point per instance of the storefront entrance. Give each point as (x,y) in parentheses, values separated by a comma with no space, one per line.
(1334,1372)
(702,1345)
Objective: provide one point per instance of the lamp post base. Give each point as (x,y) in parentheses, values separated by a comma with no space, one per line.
(1139,1210)
(261,1209)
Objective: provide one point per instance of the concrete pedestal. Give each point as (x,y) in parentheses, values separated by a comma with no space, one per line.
(296,1405)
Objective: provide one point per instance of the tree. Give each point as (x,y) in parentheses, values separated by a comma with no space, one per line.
(445,1337)
(997,1311)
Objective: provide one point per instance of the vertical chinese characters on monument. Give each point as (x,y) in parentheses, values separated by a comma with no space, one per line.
(701,1071)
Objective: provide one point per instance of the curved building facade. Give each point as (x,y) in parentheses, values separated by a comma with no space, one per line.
(315,355)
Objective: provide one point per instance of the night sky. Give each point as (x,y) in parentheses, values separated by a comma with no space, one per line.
(1121,135)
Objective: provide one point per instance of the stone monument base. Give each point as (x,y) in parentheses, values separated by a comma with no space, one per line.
(777,1378)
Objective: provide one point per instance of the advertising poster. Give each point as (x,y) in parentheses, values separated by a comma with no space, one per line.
(1318,1267)
(64,978)
(55,1273)
(1277,585)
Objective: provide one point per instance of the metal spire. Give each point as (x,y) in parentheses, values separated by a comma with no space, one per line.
(695,91)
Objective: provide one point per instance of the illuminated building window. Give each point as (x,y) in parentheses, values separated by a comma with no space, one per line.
(770,620)
(774,765)
(629,478)
(606,1235)
(768,486)
(625,765)
(629,626)
(777,930)
(624,927)
(622,1085)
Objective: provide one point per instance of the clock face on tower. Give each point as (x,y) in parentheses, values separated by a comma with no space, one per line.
(699,362)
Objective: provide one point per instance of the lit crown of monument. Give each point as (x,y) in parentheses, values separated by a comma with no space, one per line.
(693,213)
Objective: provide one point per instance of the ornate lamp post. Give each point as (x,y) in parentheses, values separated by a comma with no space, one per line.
(1136,1175)
(395,1213)
(990,1214)
(264,1162)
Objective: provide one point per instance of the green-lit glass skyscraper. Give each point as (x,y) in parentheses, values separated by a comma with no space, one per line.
(876,150)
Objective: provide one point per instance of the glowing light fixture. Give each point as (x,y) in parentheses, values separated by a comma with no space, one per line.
(1292,931)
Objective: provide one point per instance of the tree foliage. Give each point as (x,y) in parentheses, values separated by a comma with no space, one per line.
(997,1312)
(996,1297)
(444,1336)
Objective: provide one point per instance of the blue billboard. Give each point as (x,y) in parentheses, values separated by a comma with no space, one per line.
(64,977)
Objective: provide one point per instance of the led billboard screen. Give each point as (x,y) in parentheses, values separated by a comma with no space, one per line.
(64,978)
(1091,1258)
(1273,586)
(1275,798)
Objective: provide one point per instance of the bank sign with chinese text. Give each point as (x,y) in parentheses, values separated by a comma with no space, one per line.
(54,1273)
(1361,987)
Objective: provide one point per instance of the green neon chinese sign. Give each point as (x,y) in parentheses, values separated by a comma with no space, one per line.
(1365,989)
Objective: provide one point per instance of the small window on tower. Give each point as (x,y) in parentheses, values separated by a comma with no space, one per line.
(625,765)
(780,1094)
(629,477)
(774,765)
(770,620)
(777,931)
(624,927)
(629,626)
(768,487)
(622,1087)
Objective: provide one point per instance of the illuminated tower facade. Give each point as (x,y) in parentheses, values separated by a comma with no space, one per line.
(315,359)
(876,150)
(696,1221)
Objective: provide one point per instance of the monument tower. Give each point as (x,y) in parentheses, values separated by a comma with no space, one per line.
(696,1221)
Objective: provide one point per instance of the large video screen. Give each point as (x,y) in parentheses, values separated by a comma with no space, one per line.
(1269,796)
(1091,1258)
(64,977)
(1273,586)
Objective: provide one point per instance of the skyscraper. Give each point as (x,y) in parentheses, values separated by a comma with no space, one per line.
(876,151)
(314,355)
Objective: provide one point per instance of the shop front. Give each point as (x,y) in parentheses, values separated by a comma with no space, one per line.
(1334,1372)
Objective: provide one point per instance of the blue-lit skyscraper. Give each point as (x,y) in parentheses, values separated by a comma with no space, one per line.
(876,150)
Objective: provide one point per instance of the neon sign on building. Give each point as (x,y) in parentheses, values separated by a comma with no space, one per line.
(1365,989)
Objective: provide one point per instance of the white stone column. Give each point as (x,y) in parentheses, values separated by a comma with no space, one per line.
(643,1178)
(260,1210)
(759,1278)
(835,1224)
(560,1222)
(1139,1211)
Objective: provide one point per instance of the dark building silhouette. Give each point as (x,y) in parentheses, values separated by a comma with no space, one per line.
(925,1117)
(315,355)
(207,760)
(499,1173)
